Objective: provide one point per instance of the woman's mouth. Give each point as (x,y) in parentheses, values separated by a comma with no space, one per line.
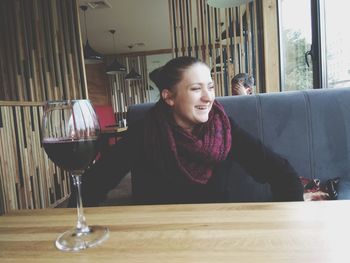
(201,107)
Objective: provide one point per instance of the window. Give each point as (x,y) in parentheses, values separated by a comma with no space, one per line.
(314,44)
(337,20)
(295,42)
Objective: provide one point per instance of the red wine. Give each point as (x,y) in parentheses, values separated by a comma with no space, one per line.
(71,155)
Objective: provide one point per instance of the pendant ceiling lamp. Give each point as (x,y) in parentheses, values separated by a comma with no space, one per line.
(115,67)
(133,75)
(90,55)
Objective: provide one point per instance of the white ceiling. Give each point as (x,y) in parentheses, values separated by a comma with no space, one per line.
(135,21)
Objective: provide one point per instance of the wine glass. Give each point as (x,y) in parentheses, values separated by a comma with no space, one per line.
(70,132)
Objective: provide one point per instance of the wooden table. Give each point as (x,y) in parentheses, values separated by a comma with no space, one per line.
(110,136)
(305,232)
(116,130)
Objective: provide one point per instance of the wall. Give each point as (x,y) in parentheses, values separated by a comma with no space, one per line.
(98,84)
(40,51)
(28,179)
(41,59)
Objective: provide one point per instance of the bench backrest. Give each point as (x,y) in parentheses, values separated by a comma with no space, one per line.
(309,128)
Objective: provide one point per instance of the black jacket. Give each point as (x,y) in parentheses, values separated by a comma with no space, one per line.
(151,186)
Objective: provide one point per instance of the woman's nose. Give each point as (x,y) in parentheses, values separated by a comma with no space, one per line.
(207,95)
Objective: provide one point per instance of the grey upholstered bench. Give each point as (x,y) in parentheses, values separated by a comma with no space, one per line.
(309,128)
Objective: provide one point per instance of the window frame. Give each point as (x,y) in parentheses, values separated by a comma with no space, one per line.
(318,44)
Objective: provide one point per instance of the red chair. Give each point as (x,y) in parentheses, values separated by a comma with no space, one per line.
(106,116)
(108,123)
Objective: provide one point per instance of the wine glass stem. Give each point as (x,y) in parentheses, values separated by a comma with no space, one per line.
(81,222)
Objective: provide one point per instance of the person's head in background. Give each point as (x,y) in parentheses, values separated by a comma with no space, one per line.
(242,84)
(186,87)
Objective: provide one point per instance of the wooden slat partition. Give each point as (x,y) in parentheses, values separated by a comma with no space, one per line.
(28,179)
(271,48)
(41,57)
(226,56)
(128,92)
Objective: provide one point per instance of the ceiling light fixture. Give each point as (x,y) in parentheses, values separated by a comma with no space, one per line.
(115,67)
(133,75)
(90,55)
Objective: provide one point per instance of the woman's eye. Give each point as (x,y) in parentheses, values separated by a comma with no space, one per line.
(195,88)
(211,87)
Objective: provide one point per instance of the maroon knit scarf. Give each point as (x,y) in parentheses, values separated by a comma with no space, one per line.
(196,154)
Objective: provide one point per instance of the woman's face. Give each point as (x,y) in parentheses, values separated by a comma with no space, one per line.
(192,98)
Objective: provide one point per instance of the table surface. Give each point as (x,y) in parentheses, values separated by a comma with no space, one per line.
(237,232)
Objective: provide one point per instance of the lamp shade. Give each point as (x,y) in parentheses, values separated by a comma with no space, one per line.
(115,68)
(90,55)
(133,75)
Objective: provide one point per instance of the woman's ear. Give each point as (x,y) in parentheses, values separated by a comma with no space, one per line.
(167,96)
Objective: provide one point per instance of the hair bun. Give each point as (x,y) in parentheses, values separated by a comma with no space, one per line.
(156,75)
(167,76)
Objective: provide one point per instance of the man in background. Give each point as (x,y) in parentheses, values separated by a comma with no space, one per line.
(242,84)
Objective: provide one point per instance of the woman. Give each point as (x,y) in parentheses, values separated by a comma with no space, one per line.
(182,150)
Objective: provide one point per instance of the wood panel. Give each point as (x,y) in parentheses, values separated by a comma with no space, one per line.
(271,48)
(98,84)
(40,51)
(128,92)
(221,37)
(28,179)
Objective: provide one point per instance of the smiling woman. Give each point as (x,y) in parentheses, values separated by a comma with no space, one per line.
(182,151)
(192,97)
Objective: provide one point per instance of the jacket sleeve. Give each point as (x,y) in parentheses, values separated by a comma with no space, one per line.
(266,166)
(106,173)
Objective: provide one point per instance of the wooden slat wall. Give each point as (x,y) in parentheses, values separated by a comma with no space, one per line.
(41,59)
(129,92)
(40,52)
(197,31)
(28,179)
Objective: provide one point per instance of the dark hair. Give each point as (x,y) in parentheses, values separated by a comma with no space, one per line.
(167,76)
(248,81)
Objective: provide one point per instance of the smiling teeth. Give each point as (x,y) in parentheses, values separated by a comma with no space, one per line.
(202,107)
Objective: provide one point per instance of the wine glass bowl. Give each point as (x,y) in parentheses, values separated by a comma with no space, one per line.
(70,133)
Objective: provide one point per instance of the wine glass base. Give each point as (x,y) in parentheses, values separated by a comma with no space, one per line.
(75,239)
